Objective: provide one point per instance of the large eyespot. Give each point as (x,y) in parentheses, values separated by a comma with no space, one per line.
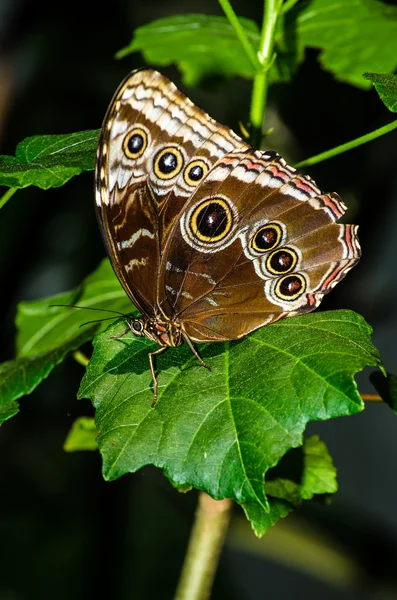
(267,238)
(281,261)
(290,287)
(168,163)
(195,171)
(212,220)
(135,143)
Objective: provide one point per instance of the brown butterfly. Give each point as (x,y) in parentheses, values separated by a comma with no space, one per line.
(209,238)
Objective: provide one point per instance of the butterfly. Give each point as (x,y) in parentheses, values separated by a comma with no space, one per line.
(209,237)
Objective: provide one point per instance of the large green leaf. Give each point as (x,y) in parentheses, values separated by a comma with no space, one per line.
(221,431)
(201,45)
(354,36)
(46,335)
(49,160)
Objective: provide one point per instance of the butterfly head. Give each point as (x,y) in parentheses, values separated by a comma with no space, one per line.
(137,327)
(165,333)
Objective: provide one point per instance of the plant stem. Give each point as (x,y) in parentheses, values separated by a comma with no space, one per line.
(206,540)
(288,5)
(240,33)
(371,397)
(81,358)
(10,192)
(261,80)
(368,137)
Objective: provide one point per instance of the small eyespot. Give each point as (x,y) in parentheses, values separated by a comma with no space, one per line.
(168,163)
(281,261)
(267,238)
(195,171)
(212,220)
(290,287)
(135,143)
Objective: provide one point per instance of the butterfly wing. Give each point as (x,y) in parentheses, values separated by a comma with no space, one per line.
(256,242)
(155,148)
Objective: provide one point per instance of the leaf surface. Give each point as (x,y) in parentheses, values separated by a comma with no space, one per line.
(48,161)
(201,45)
(386,86)
(21,376)
(42,327)
(353,36)
(82,435)
(221,431)
(46,335)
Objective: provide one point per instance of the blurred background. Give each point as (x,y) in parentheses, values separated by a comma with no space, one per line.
(65,533)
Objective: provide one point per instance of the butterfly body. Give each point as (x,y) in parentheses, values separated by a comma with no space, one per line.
(210,238)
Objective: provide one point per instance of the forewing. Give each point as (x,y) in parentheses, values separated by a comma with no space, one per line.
(155,148)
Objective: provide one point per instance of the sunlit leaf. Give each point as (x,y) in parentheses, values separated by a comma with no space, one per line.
(386,86)
(48,161)
(47,334)
(82,435)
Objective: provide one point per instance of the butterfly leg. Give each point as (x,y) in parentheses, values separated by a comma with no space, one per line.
(196,354)
(115,337)
(151,363)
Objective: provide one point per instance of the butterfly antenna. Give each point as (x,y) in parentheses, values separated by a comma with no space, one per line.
(96,321)
(116,312)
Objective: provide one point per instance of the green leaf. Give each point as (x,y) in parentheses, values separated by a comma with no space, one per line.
(21,376)
(386,86)
(221,431)
(386,386)
(354,36)
(41,328)
(46,335)
(318,477)
(48,161)
(319,473)
(82,435)
(201,45)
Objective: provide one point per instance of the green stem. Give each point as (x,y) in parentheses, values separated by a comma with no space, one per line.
(368,137)
(288,5)
(261,80)
(81,358)
(10,192)
(206,540)
(240,33)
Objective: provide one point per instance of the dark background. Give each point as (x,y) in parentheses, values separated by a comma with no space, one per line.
(64,532)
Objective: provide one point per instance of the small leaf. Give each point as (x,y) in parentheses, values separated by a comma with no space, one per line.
(82,435)
(386,86)
(319,473)
(41,328)
(221,431)
(48,161)
(318,477)
(46,335)
(21,376)
(354,36)
(201,45)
